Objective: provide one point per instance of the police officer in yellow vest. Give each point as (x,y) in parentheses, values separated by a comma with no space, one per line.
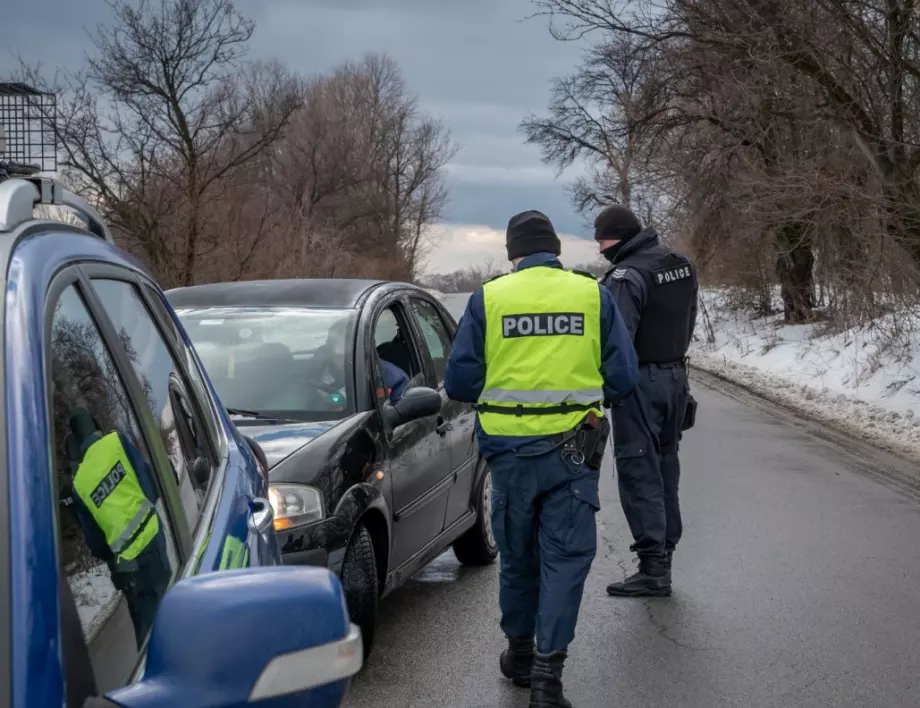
(113,497)
(539,351)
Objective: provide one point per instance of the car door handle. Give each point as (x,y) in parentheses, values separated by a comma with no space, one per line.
(442,427)
(262,516)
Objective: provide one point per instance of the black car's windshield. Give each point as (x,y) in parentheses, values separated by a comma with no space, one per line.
(276,362)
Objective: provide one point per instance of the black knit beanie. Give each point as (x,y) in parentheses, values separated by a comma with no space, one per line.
(531,232)
(616,223)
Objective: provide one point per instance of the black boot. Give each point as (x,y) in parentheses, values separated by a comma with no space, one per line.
(546,686)
(652,580)
(517,660)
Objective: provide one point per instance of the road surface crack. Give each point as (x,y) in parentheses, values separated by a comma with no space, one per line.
(662,628)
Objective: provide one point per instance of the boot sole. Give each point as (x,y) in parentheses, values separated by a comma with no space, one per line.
(664,592)
(519,681)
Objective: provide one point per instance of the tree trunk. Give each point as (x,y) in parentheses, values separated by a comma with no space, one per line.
(795,263)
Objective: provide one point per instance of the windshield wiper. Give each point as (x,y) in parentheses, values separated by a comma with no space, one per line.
(259,416)
(244,412)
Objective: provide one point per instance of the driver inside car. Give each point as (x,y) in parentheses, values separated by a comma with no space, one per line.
(395,379)
(331,356)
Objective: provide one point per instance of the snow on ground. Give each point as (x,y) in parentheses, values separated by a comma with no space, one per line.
(95,596)
(865,380)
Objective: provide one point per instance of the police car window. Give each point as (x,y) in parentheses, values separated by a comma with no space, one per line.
(435,335)
(115,545)
(180,425)
(197,381)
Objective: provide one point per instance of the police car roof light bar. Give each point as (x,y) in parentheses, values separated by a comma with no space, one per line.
(29,120)
(28,146)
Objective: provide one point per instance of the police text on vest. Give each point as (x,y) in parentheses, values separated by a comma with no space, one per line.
(672,275)
(108,484)
(545,324)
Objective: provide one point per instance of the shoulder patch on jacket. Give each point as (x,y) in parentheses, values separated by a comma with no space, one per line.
(584,273)
(618,273)
(494,277)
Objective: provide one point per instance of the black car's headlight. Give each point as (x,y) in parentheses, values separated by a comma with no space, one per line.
(295,505)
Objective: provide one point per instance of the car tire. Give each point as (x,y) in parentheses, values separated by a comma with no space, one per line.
(477,546)
(360,583)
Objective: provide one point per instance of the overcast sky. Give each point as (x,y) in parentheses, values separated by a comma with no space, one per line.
(475,63)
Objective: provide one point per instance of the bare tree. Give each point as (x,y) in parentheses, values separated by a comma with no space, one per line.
(594,114)
(779,133)
(159,117)
(362,173)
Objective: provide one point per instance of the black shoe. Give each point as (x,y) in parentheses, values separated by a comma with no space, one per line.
(546,686)
(517,660)
(652,580)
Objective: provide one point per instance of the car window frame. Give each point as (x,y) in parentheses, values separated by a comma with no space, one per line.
(74,275)
(404,318)
(433,380)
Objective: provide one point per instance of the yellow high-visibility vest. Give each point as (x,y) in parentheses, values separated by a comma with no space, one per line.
(543,352)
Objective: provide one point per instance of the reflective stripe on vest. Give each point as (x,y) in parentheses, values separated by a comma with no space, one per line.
(108,486)
(503,395)
(542,350)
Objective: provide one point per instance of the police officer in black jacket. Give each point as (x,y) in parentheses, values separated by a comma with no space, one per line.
(655,288)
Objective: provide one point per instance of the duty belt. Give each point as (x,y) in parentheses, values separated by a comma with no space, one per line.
(520,409)
(682,363)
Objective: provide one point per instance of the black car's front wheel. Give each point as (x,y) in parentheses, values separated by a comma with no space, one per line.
(359,581)
(477,546)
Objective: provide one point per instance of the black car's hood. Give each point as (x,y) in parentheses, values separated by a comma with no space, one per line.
(283,439)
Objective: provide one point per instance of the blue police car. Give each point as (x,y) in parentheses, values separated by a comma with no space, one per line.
(168,594)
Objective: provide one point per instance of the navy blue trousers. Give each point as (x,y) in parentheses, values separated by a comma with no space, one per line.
(646,436)
(543,516)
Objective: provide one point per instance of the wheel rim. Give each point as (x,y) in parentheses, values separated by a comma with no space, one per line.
(487,507)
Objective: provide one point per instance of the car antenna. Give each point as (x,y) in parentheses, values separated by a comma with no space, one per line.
(28,152)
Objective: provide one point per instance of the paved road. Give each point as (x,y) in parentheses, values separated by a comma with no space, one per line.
(797,586)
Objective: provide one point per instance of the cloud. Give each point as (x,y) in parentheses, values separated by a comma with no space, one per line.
(459,246)
(475,64)
(484,175)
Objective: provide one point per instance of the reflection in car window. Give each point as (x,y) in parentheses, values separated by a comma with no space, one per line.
(201,390)
(161,379)
(435,334)
(285,362)
(115,544)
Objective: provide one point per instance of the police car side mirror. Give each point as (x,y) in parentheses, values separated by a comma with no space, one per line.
(418,402)
(212,646)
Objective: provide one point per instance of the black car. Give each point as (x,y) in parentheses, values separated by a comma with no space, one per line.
(374,471)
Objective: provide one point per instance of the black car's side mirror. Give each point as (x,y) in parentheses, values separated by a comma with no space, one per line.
(417,402)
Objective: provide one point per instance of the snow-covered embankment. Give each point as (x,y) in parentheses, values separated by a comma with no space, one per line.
(864,381)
